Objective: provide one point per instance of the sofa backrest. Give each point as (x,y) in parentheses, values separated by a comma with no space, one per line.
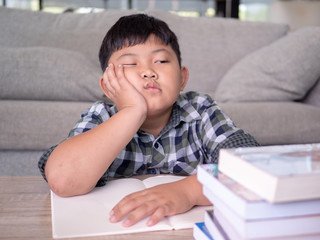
(209,46)
(81,33)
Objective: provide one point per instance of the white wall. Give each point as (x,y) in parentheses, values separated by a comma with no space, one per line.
(296,13)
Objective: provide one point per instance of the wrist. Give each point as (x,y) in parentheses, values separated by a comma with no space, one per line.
(137,113)
(194,192)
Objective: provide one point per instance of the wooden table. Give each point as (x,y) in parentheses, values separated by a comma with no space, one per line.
(25,213)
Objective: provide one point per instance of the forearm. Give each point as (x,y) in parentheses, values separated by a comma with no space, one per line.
(76,165)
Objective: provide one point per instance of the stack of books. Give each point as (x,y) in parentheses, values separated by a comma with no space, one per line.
(270,192)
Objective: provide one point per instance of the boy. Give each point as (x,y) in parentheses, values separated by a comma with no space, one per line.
(151,128)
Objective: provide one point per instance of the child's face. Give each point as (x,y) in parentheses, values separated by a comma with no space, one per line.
(153,69)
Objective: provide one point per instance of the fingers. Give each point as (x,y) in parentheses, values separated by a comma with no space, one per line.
(159,214)
(110,81)
(137,206)
(122,92)
(125,206)
(139,213)
(120,73)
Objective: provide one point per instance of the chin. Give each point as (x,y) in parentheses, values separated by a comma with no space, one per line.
(154,111)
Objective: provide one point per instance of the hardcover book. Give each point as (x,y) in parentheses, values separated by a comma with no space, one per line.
(200,232)
(214,228)
(224,193)
(275,173)
(269,228)
(221,229)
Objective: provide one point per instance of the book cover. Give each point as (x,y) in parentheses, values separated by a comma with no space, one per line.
(268,228)
(214,228)
(88,215)
(200,232)
(224,192)
(227,232)
(276,173)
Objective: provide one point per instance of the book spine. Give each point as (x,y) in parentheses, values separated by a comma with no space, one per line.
(214,229)
(200,232)
(253,178)
(213,185)
(281,227)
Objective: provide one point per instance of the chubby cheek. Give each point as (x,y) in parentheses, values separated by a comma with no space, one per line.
(179,86)
(135,80)
(131,76)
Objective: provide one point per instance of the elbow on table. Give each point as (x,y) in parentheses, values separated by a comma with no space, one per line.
(64,186)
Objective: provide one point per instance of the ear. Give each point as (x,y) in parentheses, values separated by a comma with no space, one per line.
(184,77)
(102,86)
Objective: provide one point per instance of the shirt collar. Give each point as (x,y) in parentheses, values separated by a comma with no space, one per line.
(187,111)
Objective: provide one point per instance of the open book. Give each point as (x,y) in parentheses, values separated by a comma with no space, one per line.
(88,215)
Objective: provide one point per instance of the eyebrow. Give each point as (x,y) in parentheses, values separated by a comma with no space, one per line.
(161,50)
(126,55)
(153,52)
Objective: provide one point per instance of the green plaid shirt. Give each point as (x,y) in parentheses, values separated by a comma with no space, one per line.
(196,131)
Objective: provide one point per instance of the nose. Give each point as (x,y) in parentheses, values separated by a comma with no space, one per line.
(149,74)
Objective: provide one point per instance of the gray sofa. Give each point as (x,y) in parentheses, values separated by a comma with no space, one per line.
(263,76)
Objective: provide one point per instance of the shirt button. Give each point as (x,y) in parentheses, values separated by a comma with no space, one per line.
(156,145)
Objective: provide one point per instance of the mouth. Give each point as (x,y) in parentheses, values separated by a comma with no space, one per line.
(151,86)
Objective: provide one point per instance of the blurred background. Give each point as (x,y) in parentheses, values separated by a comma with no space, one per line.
(296,13)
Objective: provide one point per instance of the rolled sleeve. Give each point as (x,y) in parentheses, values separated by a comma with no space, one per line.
(92,117)
(219,131)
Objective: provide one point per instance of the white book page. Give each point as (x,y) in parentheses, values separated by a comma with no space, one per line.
(188,219)
(88,215)
(161,179)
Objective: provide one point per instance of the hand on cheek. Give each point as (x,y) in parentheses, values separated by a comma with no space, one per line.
(116,87)
(157,202)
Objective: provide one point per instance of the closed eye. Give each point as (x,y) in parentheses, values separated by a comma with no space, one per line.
(129,64)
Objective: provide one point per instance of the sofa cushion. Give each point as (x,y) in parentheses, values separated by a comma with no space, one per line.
(43,73)
(273,123)
(313,97)
(210,46)
(282,71)
(81,33)
(20,163)
(37,125)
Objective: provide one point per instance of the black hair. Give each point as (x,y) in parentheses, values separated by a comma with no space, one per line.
(135,29)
